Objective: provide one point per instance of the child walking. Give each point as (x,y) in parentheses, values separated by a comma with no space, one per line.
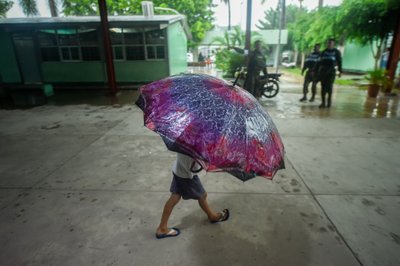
(186,184)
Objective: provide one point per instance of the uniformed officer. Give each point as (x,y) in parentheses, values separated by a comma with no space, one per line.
(326,71)
(310,76)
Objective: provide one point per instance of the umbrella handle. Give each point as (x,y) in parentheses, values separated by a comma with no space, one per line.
(240,71)
(195,171)
(235,82)
(237,78)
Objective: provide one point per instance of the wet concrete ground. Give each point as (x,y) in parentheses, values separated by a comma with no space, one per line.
(82,182)
(348,102)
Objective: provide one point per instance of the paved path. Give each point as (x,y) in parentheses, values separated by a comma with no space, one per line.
(84,184)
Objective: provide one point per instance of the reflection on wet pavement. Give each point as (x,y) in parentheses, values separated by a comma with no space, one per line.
(123,97)
(382,107)
(347,102)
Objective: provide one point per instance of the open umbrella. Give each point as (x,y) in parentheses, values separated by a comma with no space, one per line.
(221,126)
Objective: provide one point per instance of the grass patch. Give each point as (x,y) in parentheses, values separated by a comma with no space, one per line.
(294,70)
(338,81)
(347,82)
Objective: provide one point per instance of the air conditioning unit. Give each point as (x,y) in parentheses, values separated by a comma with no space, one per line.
(147,8)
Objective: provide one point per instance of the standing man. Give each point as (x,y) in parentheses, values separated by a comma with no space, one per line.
(326,71)
(310,76)
(256,64)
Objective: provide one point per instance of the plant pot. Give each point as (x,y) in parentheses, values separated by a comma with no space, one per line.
(373,90)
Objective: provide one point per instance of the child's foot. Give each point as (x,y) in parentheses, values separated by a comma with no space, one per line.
(223,216)
(172,232)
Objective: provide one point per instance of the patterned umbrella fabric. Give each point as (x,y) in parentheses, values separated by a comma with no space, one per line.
(221,126)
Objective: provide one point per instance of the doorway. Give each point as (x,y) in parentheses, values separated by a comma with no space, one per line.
(27,58)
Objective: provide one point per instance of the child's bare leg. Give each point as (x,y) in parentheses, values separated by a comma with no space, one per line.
(212,215)
(168,207)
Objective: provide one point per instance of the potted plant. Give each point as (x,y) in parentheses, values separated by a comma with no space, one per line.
(378,79)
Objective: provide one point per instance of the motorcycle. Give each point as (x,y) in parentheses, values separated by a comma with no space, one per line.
(268,85)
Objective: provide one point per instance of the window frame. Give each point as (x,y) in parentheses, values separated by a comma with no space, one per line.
(61,47)
(144,44)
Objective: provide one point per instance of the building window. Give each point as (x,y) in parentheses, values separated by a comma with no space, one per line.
(131,44)
(134,53)
(80,44)
(69,45)
(48,45)
(155,52)
(89,43)
(155,40)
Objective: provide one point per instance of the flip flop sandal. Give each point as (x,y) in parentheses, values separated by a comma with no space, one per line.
(224,216)
(171,233)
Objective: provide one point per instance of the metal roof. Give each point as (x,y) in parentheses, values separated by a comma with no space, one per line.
(90,19)
(87,20)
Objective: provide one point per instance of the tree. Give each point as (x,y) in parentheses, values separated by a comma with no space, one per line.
(316,27)
(369,22)
(29,7)
(198,12)
(271,20)
(271,17)
(4,7)
(236,38)
(226,59)
(228,3)
(53,8)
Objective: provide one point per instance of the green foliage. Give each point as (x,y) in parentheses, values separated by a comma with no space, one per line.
(235,37)
(296,71)
(228,61)
(365,20)
(379,77)
(197,12)
(4,7)
(346,82)
(29,7)
(272,17)
(369,22)
(271,20)
(315,27)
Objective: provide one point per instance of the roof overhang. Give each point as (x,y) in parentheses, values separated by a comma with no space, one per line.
(114,21)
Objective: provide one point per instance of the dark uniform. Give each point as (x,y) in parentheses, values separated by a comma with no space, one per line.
(326,72)
(310,76)
(256,64)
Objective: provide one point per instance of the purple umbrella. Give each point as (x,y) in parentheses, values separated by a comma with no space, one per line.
(221,126)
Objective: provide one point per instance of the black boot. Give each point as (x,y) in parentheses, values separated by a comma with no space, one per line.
(303,99)
(323,97)
(322,105)
(312,98)
(329,100)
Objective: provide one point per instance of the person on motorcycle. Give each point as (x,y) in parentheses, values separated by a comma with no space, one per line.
(326,71)
(255,66)
(310,76)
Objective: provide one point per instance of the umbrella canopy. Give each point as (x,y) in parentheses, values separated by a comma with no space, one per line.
(221,126)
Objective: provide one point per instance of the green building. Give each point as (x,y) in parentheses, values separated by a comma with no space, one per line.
(69,51)
(357,58)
